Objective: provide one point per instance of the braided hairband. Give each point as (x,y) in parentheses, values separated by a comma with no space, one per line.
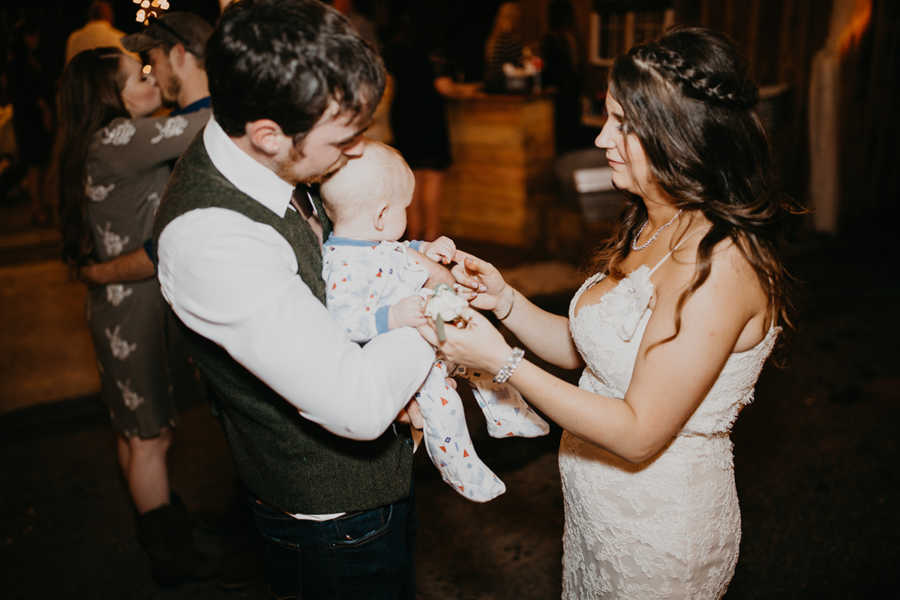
(670,65)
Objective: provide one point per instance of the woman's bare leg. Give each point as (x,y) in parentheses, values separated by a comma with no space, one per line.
(146,470)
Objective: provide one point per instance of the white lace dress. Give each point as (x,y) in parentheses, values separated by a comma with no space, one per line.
(671,526)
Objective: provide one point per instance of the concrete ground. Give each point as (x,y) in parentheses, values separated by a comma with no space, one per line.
(816,456)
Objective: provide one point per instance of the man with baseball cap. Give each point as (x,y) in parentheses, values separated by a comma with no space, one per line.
(175,47)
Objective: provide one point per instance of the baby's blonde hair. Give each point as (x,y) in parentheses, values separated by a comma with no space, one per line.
(379,174)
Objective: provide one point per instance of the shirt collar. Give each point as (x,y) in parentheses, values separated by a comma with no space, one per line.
(193,107)
(244,172)
(336,240)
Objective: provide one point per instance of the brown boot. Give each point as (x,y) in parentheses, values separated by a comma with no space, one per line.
(166,533)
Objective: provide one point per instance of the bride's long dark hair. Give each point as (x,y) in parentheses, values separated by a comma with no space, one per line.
(89,97)
(689,101)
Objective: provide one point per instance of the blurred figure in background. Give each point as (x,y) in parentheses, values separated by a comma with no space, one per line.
(423,79)
(504,45)
(113,164)
(174,46)
(562,52)
(360,16)
(31,88)
(97,32)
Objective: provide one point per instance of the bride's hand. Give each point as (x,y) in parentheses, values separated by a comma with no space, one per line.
(477,345)
(484,279)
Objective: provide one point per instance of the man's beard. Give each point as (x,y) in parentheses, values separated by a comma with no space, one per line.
(171,91)
(318,177)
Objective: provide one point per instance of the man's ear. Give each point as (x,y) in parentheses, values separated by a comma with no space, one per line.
(381,216)
(177,56)
(265,136)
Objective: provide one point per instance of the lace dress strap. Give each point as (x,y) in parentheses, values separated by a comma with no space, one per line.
(662,260)
(669,253)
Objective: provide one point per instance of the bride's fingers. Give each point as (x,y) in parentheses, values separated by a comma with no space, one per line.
(460,256)
(483,302)
(477,266)
(463,277)
(473,265)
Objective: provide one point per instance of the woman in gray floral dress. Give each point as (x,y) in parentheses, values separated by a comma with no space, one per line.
(114,160)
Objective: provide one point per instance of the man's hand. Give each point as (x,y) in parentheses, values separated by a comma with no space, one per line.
(412,415)
(441,250)
(408,312)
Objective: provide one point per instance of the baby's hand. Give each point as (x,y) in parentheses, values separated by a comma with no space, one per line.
(408,312)
(441,250)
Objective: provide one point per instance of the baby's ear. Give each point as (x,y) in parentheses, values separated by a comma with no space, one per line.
(381,215)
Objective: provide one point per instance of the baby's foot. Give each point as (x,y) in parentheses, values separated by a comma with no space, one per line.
(505,410)
(448,443)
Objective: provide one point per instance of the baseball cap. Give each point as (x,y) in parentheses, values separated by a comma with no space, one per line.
(187,29)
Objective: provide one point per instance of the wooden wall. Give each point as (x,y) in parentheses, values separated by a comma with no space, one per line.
(501,180)
(779,39)
(870,132)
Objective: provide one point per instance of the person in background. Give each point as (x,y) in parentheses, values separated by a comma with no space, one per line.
(174,46)
(423,80)
(673,329)
(562,55)
(97,32)
(112,160)
(361,20)
(504,45)
(31,88)
(307,413)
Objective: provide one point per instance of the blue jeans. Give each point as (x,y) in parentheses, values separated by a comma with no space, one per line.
(368,554)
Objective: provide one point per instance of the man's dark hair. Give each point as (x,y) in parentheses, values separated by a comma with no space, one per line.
(285,60)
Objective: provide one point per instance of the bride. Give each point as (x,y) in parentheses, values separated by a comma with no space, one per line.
(673,330)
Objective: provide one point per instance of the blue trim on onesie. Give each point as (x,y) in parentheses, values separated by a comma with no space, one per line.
(381,319)
(345,241)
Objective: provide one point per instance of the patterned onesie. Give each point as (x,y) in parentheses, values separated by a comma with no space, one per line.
(363,280)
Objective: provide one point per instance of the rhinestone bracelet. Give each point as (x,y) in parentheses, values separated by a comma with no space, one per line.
(512,362)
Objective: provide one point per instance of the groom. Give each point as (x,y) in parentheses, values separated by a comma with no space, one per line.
(308,414)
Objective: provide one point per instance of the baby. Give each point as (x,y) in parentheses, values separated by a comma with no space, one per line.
(374,283)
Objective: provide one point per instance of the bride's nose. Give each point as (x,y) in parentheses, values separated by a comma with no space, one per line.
(604,138)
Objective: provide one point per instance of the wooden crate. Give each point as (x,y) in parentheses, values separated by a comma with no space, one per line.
(501,180)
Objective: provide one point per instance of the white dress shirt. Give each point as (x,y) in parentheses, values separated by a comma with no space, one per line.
(234,280)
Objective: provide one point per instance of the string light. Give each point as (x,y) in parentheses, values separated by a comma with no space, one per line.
(149,10)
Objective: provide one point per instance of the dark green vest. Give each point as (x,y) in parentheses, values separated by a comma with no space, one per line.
(283,459)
